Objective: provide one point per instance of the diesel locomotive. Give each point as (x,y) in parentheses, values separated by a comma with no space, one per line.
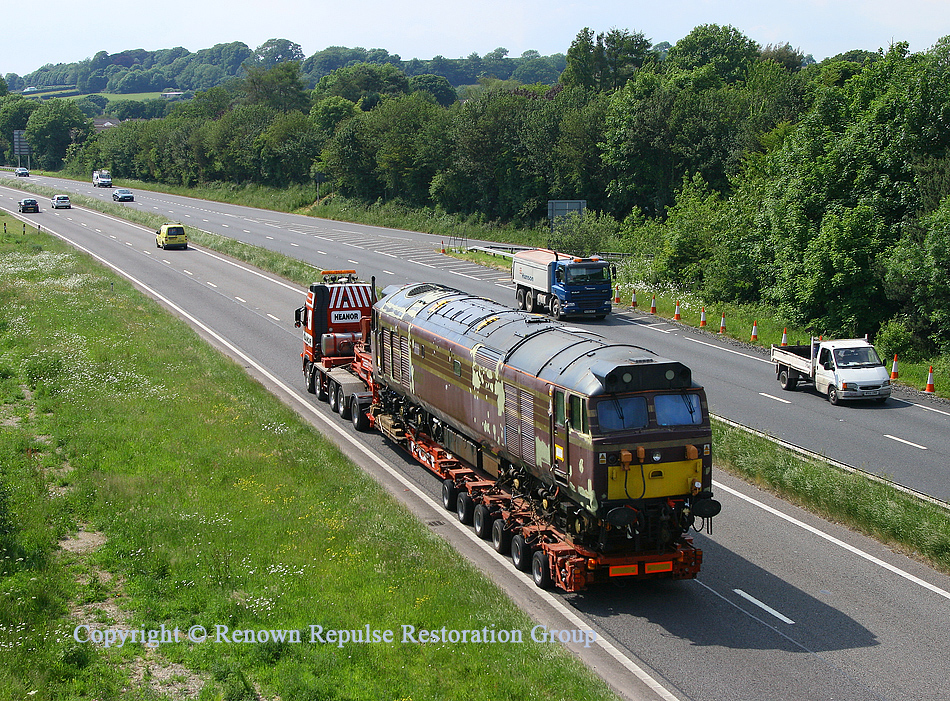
(584,459)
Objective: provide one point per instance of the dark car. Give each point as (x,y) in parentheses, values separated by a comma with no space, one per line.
(28,205)
(123,195)
(22,173)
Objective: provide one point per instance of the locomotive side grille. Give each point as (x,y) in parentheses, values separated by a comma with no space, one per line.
(527,427)
(519,423)
(512,420)
(404,361)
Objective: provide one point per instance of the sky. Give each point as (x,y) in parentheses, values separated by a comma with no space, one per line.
(457,28)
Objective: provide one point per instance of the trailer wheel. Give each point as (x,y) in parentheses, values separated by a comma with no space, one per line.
(464,506)
(482,520)
(322,393)
(540,569)
(449,494)
(519,297)
(833,395)
(333,397)
(500,536)
(556,308)
(358,416)
(787,379)
(520,553)
(342,406)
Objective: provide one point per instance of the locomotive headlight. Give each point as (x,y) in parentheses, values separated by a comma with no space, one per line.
(656,456)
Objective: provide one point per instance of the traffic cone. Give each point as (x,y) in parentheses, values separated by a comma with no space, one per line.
(617,295)
(633,303)
(702,317)
(443,248)
(653,305)
(722,324)
(930,382)
(785,336)
(755,331)
(676,314)
(894,368)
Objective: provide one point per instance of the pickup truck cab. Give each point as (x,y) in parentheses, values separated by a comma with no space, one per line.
(845,369)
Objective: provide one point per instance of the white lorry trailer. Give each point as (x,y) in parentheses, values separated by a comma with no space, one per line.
(840,370)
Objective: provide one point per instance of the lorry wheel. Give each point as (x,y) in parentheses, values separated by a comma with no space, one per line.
(540,569)
(520,553)
(787,380)
(342,405)
(500,536)
(334,397)
(311,384)
(529,301)
(556,308)
(482,520)
(519,297)
(449,494)
(358,416)
(833,395)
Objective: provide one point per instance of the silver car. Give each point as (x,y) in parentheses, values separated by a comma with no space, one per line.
(60,202)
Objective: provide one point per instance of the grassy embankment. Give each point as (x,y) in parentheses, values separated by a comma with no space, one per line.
(226,510)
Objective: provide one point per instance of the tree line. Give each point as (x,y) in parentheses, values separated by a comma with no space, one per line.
(138,70)
(744,173)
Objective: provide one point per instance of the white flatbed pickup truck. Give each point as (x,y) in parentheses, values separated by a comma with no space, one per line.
(841,370)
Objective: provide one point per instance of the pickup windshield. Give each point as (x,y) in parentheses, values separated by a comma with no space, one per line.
(865,357)
(580,274)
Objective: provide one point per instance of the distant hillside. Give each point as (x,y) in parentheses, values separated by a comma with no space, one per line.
(137,70)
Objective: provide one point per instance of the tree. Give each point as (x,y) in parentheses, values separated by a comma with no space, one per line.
(52,127)
(280,88)
(363,80)
(606,63)
(436,85)
(784,55)
(328,113)
(726,49)
(274,51)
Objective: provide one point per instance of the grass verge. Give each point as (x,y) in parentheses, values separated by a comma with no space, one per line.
(224,511)
(918,528)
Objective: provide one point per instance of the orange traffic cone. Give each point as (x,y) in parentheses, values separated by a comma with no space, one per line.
(722,324)
(702,317)
(785,336)
(676,314)
(443,248)
(653,305)
(894,368)
(755,331)
(617,295)
(633,303)
(930,382)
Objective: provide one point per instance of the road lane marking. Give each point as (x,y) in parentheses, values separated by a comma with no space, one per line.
(763,606)
(901,440)
(778,399)
(242,301)
(273,317)
(835,541)
(212,284)
(728,350)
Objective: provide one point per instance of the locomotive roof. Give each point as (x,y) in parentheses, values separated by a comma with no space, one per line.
(534,344)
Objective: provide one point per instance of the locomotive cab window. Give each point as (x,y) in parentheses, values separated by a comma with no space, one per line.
(622,413)
(559,409)
(682,409)
(579,414)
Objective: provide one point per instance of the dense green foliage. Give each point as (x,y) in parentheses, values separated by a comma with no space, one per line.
(745,174)
(138,70)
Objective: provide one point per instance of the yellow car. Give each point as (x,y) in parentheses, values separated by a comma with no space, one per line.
(171,235)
